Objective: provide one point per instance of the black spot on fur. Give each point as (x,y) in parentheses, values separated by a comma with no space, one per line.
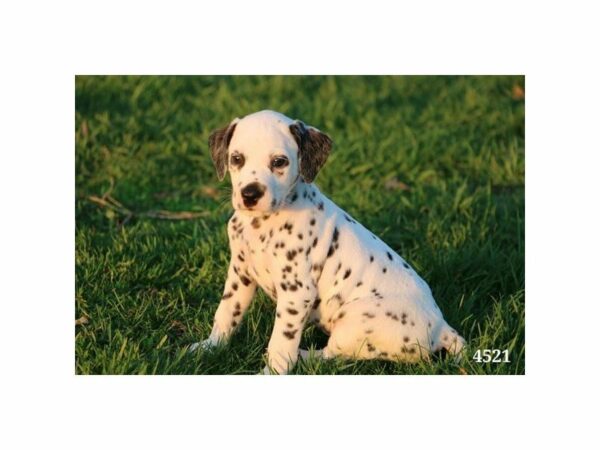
(245,281)
(234,285)
(314,244)
(392,315)
(316,303)
(406,265)
(300,236)
(347,273)
(290,334)
(283,286)
(369,331)
(406,339)
(320,207)
(233,323)
(227,295)
(292,311)
(384,269)
(341,314)
(312,222)
(336,234)
(255,222)
(389,255)
(371,258)
(337,269)
(369,315)
(291,255)
(359,284)
(349,219)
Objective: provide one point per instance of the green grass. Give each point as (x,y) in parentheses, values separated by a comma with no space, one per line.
(433,165)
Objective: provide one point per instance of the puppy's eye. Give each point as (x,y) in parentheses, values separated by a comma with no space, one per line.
(279,162)
(236,160)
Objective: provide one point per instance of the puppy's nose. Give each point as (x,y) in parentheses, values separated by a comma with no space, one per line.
(251,193)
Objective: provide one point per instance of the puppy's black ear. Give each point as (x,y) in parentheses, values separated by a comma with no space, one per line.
(313,149)
(218,142)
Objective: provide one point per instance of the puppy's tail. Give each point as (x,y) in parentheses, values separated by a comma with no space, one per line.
(452,342)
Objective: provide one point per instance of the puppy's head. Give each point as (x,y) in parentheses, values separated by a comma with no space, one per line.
(266,153)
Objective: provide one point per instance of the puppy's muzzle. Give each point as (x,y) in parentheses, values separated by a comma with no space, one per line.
(252,193)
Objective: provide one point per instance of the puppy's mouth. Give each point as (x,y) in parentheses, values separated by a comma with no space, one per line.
(257,208)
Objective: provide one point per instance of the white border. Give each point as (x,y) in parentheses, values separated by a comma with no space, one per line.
(46,43)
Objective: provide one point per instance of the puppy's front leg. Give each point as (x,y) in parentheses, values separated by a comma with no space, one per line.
(237,295)
(294,303)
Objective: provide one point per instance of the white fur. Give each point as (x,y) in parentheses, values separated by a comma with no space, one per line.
(370,301)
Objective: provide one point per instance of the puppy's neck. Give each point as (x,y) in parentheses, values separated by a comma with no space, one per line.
(302,195)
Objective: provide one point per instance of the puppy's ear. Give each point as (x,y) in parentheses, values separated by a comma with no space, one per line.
(313,149)
(218,142)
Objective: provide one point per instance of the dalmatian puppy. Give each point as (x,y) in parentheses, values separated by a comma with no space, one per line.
(311,258)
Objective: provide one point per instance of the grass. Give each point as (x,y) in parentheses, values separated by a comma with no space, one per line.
(433,165)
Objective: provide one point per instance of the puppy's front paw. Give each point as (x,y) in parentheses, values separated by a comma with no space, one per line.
(206,344)
(276,368)
(265,371)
